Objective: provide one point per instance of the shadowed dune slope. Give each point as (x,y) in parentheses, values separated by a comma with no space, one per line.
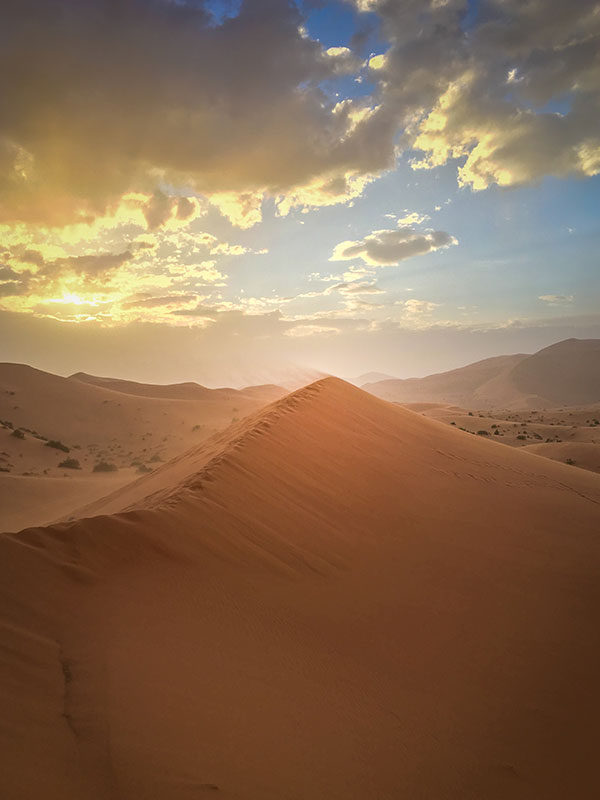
(567,373)
(462,386)
(564,374)
(337,598)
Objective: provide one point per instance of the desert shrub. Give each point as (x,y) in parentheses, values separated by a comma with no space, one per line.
(70,463)
(483,433)
(143,469)
(155,458)
(57,445)
(470,413)
(569,461)
(18,434)
(104,466)
(453,423)
(4,469)
(522,436)
(496,432)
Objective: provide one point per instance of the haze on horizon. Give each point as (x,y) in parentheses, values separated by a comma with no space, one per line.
(230,192)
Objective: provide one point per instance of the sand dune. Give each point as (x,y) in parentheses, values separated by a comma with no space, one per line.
(178,391)
(460,386)
(130,426)
(338,598)
(566,373)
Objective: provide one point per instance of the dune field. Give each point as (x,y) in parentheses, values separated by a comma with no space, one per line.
(335,598)
(67,441)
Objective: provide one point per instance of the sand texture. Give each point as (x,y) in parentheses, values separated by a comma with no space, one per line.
(335,599)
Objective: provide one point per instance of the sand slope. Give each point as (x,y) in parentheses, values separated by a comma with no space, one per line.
(132,426)
(338,598)
(566,373)
(461,386)
(570,435)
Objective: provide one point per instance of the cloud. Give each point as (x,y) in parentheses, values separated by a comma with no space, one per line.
(81,129)
(414,307)
(145,301)
(311,330)
(486,97)
(388,247)
(411,218)
(556,299)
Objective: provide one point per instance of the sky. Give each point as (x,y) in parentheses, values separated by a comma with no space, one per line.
(237,192)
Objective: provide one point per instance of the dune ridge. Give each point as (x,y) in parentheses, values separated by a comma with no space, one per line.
(335,598)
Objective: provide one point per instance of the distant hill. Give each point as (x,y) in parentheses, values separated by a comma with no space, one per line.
(178,391)
(566,373)
(371,377)
(458,386)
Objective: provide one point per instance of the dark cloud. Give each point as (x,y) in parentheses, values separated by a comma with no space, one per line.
(113,96)
(387,247)
(101,97)
(483,92)
(13,283)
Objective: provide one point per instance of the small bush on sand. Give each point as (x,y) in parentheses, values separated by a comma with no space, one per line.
(18,434)
(482,433)
(57,445)
(104,466)
(70,463)
(522,437)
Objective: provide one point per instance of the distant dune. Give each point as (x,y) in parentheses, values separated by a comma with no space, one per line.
(567,373)
(128,425)
(460,386)
(178,391)
(336,599)
(371,377)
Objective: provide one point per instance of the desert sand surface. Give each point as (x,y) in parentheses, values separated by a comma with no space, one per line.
(337,598)
(564,374)
(570,435)
(126,426)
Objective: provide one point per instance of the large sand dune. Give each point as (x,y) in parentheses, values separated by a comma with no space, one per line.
(566,373)
(336,599)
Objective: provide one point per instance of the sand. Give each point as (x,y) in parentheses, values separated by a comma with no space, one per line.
(134,427)
(570,435)
(566,373)
(337,598)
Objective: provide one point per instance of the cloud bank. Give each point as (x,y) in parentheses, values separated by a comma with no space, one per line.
(102,98)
